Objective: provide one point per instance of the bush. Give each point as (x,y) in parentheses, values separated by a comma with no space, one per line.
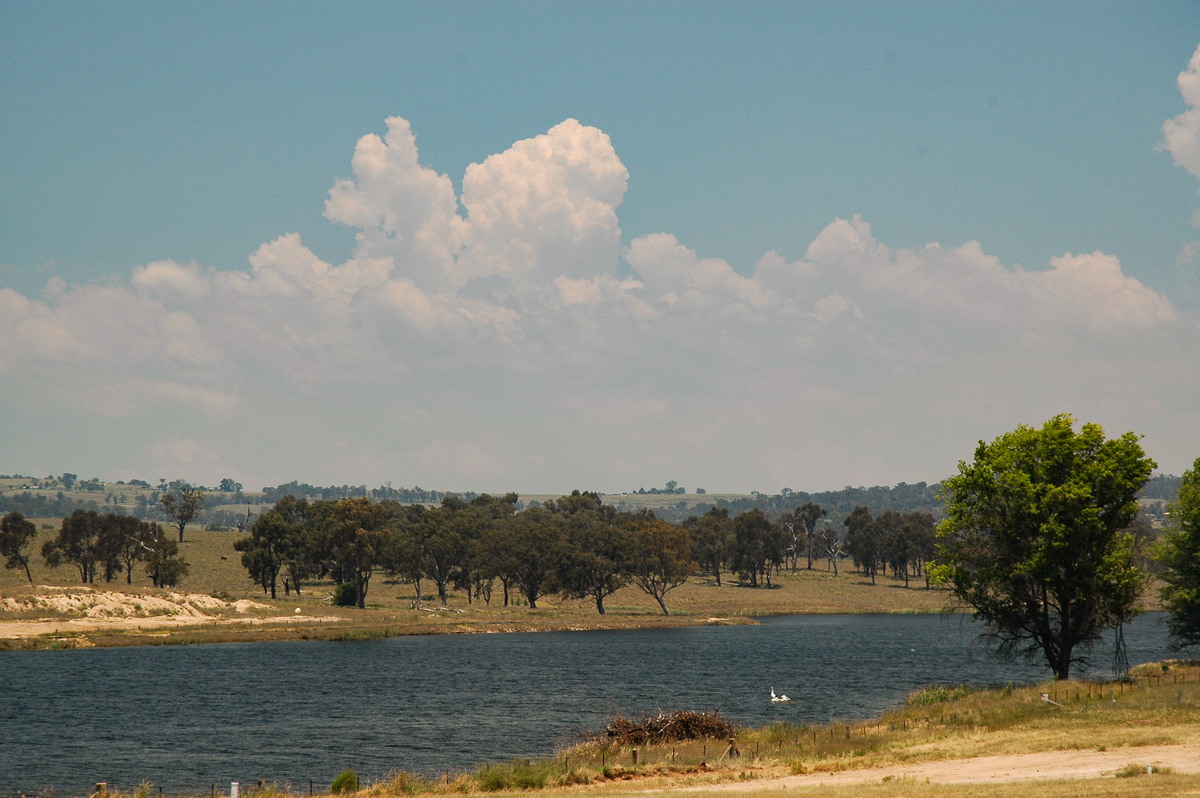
(346,595)
(346,781)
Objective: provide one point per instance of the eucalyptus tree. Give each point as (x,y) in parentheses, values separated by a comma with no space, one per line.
(530,548)
(592,561)
(164,566)
(483,513)
(265,550)
(446,544)
(758,548)
(16,533)
(660,557)
(125,541)
(78,543)
(864,541)
(358,537)
(181,502)
(802,522)
(712,540)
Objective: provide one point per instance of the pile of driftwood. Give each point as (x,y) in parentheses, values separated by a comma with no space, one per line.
(665,728)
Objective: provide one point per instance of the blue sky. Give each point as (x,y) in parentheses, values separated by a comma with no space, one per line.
(778,244)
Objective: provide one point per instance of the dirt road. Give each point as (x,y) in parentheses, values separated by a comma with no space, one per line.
(1043,766)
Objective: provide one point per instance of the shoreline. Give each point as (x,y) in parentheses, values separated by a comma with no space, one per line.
(49,617)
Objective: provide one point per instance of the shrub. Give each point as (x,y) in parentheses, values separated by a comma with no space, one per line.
(346,595)
(346,781)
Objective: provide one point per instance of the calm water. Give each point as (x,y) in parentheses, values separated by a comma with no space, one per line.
(190,716)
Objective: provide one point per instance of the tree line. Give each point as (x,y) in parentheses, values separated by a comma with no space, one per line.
(575,546)
(96,544)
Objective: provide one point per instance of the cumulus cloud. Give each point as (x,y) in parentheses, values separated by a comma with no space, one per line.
(497,347)
(546,207)
(405,211)
(1181,134)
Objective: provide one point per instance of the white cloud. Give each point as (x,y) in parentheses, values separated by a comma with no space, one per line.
(406,212)
(501,350)
(1181,134)
(168,279)
(545,207)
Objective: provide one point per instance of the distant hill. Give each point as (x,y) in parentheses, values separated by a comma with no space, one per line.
(56,497)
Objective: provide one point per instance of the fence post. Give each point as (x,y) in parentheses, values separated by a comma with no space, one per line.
(635,756)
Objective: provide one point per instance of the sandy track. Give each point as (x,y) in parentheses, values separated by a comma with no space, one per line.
(1042,766)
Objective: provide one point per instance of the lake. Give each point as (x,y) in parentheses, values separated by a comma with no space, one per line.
(186,717)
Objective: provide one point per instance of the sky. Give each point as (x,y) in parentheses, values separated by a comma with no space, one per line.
(539,246)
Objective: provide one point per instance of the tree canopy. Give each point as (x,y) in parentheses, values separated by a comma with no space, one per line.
(1034,537)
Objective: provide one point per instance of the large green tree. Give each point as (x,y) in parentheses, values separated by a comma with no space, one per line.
(1034,537)
(1179,553)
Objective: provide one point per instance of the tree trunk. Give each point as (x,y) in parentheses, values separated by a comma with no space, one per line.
(600,603)
(666,610)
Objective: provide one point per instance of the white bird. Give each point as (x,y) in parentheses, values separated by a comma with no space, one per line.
(1046,700)
(777,698)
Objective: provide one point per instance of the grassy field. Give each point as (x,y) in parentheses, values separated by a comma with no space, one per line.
(215,569)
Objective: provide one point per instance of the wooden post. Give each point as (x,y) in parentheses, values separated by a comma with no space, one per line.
(635,756)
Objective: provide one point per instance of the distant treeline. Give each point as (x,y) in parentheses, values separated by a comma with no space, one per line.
(902,498)
(413,495)
(41,505)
